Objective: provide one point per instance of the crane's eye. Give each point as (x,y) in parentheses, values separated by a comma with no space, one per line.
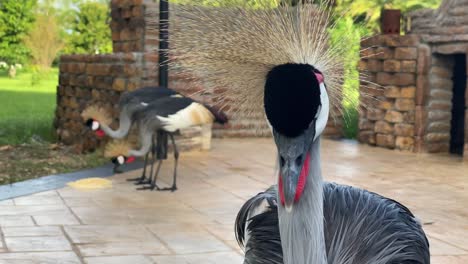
(89,123)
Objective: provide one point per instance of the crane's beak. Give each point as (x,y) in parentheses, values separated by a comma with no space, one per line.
(294,158)
(288,182)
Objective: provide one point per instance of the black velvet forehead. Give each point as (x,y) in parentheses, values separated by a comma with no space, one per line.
(292,98)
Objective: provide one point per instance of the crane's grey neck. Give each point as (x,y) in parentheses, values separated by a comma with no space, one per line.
(302,229)
(145,143)
(124,126)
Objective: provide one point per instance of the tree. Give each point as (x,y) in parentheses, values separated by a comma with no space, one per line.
(44,40)
(90,31)
(16,19)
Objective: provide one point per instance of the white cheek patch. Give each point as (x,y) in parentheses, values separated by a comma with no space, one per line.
(322,114)
(95,125)
(144,104)
(120,160)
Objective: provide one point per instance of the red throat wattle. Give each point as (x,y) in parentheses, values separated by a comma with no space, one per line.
(130,159)
(300,183)
(100,133)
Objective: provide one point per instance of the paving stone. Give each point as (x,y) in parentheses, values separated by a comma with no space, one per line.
(102,234)
(116,248)
(136,259)
(210,258)
(39,200)
(16,220)
(57,243)
(32,231)
(39,258)
(31,209)
(64,218)
(187,239)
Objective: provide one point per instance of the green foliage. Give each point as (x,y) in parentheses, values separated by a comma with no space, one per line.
(90,31)
(44,40)
(16,18)
(369,11)
(346,32)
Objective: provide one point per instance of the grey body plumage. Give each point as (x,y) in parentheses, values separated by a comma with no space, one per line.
(164,117)
(132,102)
(360,227)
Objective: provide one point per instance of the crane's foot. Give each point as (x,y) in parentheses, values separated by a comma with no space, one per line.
(148,187)
(171,189)
(143,182)
(138,179)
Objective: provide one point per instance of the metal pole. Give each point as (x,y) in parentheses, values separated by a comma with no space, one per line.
(162,138)
(163,42)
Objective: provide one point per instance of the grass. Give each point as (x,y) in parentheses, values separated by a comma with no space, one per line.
(26,125)
(31,161)
(27,110)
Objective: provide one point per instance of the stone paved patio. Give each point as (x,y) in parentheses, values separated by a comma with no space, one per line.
(194,225)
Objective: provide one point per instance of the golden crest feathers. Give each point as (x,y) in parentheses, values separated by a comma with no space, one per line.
(117,148)
(96,113)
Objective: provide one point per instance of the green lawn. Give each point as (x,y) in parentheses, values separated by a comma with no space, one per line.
(27,110)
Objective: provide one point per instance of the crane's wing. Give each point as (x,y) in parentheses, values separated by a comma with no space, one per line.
(257,230)
(145,95)
(367,228)
(361,227)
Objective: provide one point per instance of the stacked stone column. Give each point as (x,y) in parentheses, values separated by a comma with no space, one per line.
(391,63)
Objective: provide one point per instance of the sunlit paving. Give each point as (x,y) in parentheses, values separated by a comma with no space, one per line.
(117,224)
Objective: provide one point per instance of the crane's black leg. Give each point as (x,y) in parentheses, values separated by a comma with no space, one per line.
(143,175)
(176,160)
(152,182)
(142,179)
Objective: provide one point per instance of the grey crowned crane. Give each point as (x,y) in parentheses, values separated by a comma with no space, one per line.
(98,120)
(166,115)
(276,59)
(312,220)
(129,103)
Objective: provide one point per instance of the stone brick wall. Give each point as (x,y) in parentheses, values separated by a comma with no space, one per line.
(414,110)
(413,93)
(91,79)
(388,120)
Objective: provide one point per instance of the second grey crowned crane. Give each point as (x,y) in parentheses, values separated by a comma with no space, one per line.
(98,120)
(129,104)
(167,115)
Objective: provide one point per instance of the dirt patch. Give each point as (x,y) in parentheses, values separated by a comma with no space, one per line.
(23,162)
